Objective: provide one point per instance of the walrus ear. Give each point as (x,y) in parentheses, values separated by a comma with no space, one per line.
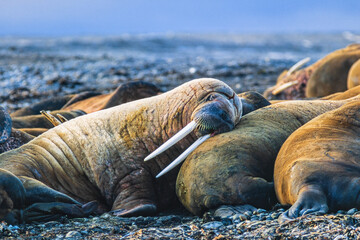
(5,125)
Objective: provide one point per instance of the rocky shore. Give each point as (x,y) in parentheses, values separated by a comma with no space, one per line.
(37,69)
(260,224)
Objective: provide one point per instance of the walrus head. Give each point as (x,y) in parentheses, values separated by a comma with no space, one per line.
(218,111)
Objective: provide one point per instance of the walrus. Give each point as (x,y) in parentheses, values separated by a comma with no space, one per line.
(126,92)
(318,166)
(353,79)
(52,104)
(352,92)
(40,121)
(236,167)
(90,101)
(326,76)
(99,156)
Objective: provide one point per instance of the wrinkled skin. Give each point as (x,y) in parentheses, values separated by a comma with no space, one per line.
(326,76)
(318,167)
(236,168)
(126,92)
(100,156)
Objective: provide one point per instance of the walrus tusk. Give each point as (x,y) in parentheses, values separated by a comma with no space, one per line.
(278,89)
(61,118)
(297,65)
(174,139)
(182,156)
(50,117)
(284,86)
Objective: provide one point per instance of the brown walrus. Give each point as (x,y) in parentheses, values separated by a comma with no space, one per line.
(353,79)
(326,76)
(236,167)
(126,92)
(51,104)
(40,121)
(93,101)
(318,167)
(99,156)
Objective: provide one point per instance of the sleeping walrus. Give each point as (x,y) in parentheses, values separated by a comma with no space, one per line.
(318,167)
(236,168)
(92,101)
(100,156)
(326,76)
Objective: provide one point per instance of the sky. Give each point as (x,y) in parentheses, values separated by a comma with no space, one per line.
(116,17)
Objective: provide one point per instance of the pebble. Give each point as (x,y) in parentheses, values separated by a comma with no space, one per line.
(73,234)
(212,225)
(352,211)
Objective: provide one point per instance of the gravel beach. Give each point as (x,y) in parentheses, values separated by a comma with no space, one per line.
(34,69)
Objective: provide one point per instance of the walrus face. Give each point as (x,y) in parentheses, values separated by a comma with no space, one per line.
(218,111)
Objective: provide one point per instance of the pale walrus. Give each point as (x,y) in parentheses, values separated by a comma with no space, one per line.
(99,156)
(236,167)
(318,167)
(326,76)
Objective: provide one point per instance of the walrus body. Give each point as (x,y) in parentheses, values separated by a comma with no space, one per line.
(126,92)
(324,77)
(236,167)
(40,121)
(92,101)
(352,92)
(100,156)
(353,79)
(318,167)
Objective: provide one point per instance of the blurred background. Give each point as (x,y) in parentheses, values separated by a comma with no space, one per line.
(51,48)
(114,17)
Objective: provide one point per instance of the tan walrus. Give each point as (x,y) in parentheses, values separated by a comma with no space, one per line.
(99,156)
(318,167)
(353,79)
(326,76)
(93,101)
(236,167)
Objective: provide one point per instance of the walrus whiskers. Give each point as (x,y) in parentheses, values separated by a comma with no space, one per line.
(174,139)
(182,156)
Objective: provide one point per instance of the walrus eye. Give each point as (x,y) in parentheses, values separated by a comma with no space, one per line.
(210,98)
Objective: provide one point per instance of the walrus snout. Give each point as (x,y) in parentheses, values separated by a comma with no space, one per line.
(212,119)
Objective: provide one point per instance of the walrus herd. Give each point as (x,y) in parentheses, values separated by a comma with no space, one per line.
(86,156)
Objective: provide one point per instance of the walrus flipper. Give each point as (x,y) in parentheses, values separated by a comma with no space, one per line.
(12,193)
(42,212)
(42,203)
(137,200)
(312,200)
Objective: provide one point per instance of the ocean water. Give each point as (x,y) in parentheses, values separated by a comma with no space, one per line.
(38,68)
